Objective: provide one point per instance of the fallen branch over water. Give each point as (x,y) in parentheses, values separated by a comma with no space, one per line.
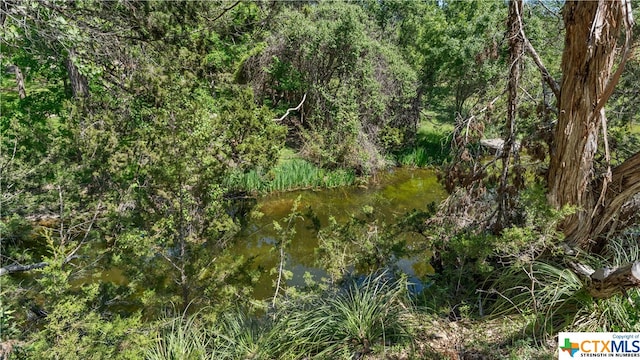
(10,269)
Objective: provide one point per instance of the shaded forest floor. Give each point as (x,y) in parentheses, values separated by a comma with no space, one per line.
(471,339)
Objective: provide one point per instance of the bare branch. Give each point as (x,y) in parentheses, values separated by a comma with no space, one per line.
(546,76)
(86,233)
(168,258)
(553,13)
(292,109)
(10,269)
(13,156)
(61,229)
(473,117)
(225,10)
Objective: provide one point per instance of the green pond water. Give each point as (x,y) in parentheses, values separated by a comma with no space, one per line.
(391,194)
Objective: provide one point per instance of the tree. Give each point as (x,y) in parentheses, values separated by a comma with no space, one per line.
(576,178)
(358,89)
(15,69)
(48,32)
(515,53)
(137,144)
(588,80)
(592,64)
(589,196)
(181,163)
(454,47)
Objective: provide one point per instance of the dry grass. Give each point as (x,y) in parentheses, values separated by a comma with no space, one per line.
(503,338)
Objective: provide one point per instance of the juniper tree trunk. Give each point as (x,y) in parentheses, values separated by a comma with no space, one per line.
(592,31)
(623,188)
(78,82)
(516,41)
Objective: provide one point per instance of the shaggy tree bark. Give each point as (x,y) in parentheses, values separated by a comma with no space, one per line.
(623,187)
(592,31)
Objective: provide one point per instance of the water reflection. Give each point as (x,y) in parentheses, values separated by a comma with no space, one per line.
(394,194)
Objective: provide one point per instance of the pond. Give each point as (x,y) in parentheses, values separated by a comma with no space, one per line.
(391,195)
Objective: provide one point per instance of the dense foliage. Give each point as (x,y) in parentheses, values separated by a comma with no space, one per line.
(359,90)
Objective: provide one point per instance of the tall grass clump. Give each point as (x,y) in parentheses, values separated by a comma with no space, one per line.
(182,338)
(370,314)
(290,174)
(360,319)
(417,156)
(252,181)
(430,148)
(240,336)
(548,295)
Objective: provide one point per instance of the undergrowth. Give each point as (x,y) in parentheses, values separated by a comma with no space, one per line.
(365,317)
(430,147)
(554,298)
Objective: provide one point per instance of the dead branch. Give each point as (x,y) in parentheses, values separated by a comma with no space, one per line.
(607,282)
(15,268)
(546,76)
(292,109)
(225,10)
(10,269)
(470,119)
